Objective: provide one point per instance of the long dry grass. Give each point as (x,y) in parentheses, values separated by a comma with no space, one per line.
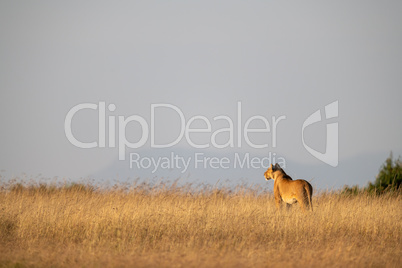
(175,226)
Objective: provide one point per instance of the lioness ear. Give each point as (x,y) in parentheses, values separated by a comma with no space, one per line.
(277,166)
(273,167)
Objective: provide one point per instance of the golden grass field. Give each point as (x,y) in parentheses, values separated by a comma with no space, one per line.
(143,226)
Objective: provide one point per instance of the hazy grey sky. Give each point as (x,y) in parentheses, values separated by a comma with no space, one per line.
(204,57)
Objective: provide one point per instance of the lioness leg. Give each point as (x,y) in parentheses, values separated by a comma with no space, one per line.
(302,204)
(278,202)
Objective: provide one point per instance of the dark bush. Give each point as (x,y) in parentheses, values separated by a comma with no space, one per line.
(389,178)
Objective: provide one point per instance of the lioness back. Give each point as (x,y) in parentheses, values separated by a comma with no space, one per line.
(288,190)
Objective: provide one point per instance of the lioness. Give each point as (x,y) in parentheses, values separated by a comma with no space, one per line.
(288,190)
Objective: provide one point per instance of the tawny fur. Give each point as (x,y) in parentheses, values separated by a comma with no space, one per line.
(289,191)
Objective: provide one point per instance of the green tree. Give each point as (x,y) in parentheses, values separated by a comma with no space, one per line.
(389,177)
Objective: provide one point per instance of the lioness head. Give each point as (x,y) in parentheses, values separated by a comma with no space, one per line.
(269,174)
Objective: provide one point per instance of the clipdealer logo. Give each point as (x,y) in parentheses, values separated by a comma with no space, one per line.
(330,156)
(238,131)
